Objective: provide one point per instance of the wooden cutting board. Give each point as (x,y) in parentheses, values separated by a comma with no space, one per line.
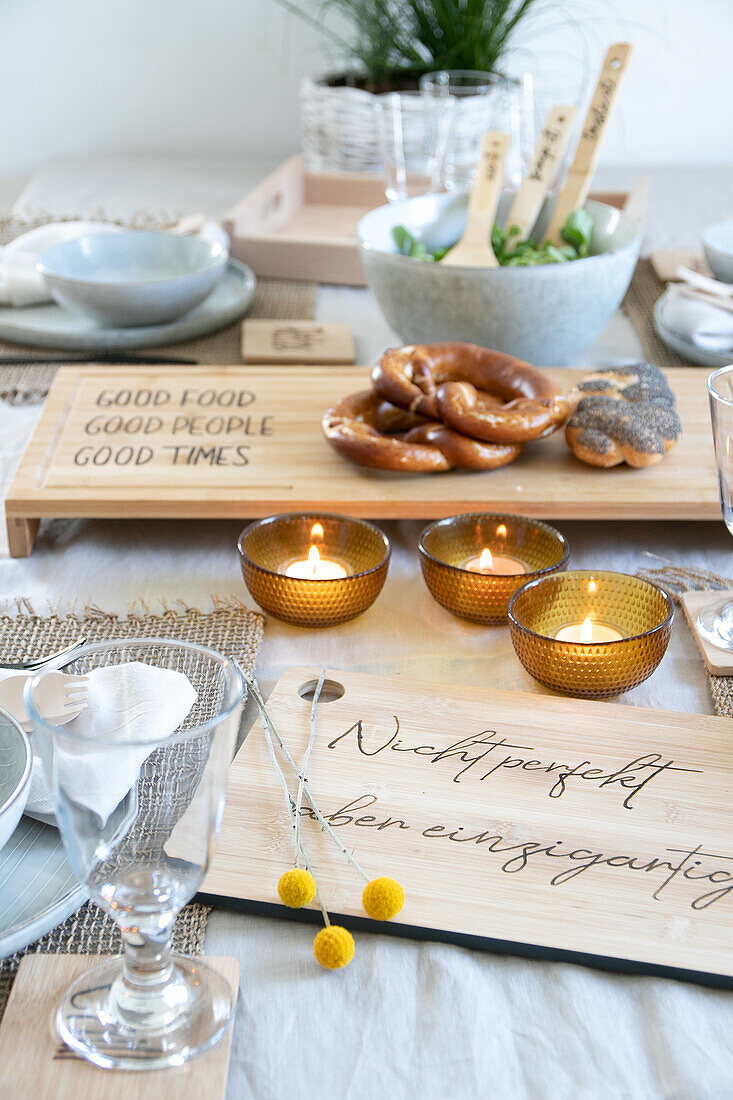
(550,827)
(35,1065)
(219,442)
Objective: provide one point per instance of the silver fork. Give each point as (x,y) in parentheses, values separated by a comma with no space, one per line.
(59,698)
(39,662)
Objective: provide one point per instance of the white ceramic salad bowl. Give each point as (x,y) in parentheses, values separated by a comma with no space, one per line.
(547,314)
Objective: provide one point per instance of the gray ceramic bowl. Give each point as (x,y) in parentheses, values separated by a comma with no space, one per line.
(123,280)
(15,775)
(546,315)
(717,241)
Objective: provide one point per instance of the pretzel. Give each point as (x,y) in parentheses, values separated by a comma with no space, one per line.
(625,415)
(486,394)
(359,428)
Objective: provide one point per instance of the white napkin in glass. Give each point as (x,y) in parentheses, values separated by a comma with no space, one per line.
(126,703)
(704,325)
(20,283)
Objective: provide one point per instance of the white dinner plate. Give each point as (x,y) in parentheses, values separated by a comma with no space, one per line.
(50,326)
(684,347)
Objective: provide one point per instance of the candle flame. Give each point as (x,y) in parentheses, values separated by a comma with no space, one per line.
(316,532)
(592,587)
(314,559)
(501,531)
(586,629)
(485,561)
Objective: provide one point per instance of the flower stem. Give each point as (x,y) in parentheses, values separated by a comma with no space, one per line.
(270,726)
(304,765)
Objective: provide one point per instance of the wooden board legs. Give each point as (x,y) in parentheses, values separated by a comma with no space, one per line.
(21,535)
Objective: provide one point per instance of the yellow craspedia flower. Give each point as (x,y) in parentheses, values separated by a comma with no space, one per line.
(334,947)
(296,888)
(383,898)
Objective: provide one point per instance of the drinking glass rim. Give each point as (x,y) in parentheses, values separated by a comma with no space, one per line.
(412,96)
(491,79)
(97,647)
(712,378)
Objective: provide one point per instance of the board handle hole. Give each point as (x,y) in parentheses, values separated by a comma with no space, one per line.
(330,692)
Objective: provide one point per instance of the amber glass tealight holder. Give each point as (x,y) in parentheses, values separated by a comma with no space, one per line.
(628,622)
(449,546)
(332,585)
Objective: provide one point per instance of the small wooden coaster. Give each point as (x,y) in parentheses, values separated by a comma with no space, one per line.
(719,662)
(296,342)
(665,262)
(34,1063)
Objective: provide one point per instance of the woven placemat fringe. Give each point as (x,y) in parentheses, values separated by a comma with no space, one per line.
(139,610)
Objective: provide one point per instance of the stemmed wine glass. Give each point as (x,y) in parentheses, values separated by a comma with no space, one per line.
(138,783)
(715,621)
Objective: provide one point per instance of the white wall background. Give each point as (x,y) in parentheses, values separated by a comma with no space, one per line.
(220,77)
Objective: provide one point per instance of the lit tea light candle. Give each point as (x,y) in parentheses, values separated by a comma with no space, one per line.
(315,568)
(589,631)
(501,565)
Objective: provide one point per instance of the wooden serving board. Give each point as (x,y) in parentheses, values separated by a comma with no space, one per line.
(246,442)
(555,828)
(302,225)
(35,1065)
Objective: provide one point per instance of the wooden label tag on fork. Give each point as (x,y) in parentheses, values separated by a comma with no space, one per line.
(576,186)
(547,157)
(474,248)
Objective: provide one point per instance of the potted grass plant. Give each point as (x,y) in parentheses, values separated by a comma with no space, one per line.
(387,45)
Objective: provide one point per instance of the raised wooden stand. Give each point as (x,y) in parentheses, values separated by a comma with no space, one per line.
(223,442)
(549,827)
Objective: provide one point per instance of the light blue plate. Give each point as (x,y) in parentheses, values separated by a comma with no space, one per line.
(38,889)
(15,774)
(683,347)
(49,326)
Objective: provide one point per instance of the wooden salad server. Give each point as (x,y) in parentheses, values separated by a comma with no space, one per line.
(535,185)
(576,186)
(474,248)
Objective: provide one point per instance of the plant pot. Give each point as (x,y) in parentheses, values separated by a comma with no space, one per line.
(338,131)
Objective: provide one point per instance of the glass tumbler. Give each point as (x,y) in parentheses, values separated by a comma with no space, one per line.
(716,622)
(413,132)
(138,782)
(484,101)
(544,89)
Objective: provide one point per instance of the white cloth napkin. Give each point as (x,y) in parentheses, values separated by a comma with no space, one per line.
(704,325)
(127,704)
(22,285)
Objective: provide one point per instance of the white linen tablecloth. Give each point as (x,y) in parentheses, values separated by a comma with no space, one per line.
(419,1021)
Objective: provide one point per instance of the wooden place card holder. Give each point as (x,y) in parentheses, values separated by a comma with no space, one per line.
(224,442)
(718,662)
(35,1064)
(296,342)
(550,827)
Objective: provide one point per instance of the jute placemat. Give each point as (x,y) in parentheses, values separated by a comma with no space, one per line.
(638,305)
(274,300)
(676,579)
(229,628)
